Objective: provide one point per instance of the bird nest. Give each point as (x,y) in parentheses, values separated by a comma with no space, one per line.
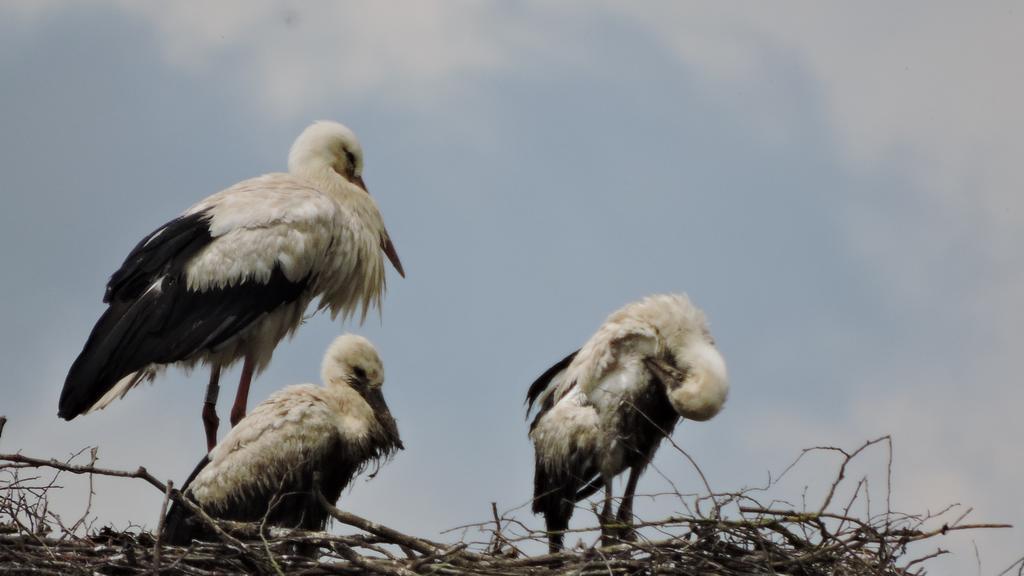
(723,534)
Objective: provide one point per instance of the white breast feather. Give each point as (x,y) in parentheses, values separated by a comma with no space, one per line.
(280,219)
(260,223)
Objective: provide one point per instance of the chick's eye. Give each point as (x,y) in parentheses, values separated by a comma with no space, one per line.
(351,159)
(360,374)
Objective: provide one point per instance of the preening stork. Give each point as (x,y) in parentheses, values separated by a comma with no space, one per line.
(606,407)
(264,467)
(233,275)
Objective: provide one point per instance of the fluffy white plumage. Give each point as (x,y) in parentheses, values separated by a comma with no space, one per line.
(317,220)
(298,424)
(265,247)
(647,356)
(612,365)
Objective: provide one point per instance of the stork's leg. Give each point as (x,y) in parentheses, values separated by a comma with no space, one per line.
(210,419)
(607,537)
(557,522)
(625,515)
(242,396)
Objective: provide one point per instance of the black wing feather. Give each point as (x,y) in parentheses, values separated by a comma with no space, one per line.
(541,383)
(144,326)
(167,248)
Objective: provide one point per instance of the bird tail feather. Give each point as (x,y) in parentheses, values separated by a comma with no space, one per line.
(110,363)
(120,389)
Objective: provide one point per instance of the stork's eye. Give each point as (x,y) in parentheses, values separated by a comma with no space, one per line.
(351,159)
(359,373)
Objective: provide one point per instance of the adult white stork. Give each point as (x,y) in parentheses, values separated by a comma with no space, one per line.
(606,407)
(233,275)
(264,467)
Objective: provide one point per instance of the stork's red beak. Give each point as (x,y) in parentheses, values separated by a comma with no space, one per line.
(389,250)
(385,240)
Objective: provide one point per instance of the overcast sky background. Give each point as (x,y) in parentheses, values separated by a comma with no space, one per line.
(839,187)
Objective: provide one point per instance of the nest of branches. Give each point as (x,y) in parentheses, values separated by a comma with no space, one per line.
(724,534)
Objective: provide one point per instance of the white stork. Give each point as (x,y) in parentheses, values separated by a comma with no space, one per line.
(233,275)
(606,407)
(264,467)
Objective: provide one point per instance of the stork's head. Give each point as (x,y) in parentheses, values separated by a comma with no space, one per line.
(702,392)
(353,361)
(327,145)
(327,148)
(689,364)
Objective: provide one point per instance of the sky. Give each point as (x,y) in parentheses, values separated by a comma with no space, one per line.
(838,186)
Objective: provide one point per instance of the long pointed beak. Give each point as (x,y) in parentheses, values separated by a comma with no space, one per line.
(385,240)
(389,249)
(375,398)
(358,181)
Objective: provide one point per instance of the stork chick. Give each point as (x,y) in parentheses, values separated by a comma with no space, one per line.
(265,466)
(606,407)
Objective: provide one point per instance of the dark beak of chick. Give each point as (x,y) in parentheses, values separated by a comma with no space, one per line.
(375,398)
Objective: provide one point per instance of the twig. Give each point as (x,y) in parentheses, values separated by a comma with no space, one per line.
(140,472)
(1019,563)
(776,537)
(160,528)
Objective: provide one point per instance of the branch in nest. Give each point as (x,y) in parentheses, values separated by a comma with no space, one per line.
(760,539)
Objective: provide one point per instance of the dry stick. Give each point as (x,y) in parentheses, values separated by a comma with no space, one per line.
(417,544)
(499,538)
(278,497)
(1018,563)
(453,549)
(140,473)
(93,451)
(737,546)
(496,546)
(907,535)
(937,553)
(214,524)
(668,437)
(848,456)
(370,566)
(160,528)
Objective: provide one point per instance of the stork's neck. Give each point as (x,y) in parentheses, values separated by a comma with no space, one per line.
(318,171)
(321,174)
(706,387)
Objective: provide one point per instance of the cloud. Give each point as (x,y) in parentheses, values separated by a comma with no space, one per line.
(295,56)
(922,100)
(927,87)
(925,109)
(292,56)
